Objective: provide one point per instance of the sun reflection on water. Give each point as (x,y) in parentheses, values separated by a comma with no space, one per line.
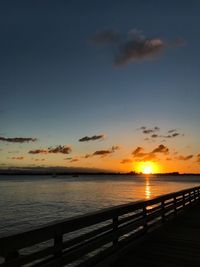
(147,188)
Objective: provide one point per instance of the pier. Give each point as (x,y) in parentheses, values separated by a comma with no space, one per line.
(162,231)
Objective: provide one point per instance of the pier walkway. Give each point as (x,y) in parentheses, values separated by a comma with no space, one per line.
(158,232)
(176,244)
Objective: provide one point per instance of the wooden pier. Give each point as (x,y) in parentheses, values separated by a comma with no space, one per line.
(162,231)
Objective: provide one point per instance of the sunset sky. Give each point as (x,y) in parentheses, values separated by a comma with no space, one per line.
(100,84)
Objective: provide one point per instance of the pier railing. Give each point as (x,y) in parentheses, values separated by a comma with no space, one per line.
(86,240)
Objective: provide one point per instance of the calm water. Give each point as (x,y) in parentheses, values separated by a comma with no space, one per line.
(29,201)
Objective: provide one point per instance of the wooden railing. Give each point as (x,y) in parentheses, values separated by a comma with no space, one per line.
(86,240)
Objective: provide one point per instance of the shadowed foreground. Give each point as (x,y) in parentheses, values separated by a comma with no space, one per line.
(162,231)
(176,244)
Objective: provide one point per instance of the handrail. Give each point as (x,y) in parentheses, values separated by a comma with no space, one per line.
(90,235)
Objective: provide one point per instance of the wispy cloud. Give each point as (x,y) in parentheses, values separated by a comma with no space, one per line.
(18,139)
(125,161)
(92,138)
(54,150)
(184,157)
(132,47)
(70,159)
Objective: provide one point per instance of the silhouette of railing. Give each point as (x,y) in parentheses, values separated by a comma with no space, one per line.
(86,240)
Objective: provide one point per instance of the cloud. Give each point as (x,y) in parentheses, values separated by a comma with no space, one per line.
(54,150)
(161,149)
(137,50)
(171,135)
(38,159)
(103,153)
(38,151)
(184,157)
(140,155)
(146,130)
(74,160)
(138,152)
(17,158)
(124,161)
(198,158)
(106,37)
(134,46)
(18,139)
(92,138)
(172,131)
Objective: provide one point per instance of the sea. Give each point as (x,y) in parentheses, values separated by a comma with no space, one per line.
(27,202)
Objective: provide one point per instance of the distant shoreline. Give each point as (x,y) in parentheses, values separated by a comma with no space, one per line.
(89,173)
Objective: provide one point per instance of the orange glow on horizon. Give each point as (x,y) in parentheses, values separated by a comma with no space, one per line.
(147,167)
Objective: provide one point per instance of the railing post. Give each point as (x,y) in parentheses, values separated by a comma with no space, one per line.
(58,242)
(175,210)
(183,200)
(145,219)
(115,228)
(195,194)
(163,210)
(190,197)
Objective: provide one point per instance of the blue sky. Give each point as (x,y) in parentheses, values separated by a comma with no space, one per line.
(57,86)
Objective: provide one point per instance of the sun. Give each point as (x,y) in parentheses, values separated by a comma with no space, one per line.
(147,167)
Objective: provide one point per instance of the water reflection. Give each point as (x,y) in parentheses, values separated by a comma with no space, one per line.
(147,187)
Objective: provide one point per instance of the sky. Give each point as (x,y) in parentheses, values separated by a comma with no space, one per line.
(100,84)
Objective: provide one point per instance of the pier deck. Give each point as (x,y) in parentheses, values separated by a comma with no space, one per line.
(176,244)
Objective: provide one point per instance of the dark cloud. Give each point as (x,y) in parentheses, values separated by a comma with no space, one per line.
(184,157)
(103,153)
(161,149)
(60,149)
(146,130)
(134,46)
(137,47)
(198,158)
(138,152)
(154,133)
(171,135)
(92,138)
(124,161)
(18,139)
(105,37)
(38,151)
(54,150)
